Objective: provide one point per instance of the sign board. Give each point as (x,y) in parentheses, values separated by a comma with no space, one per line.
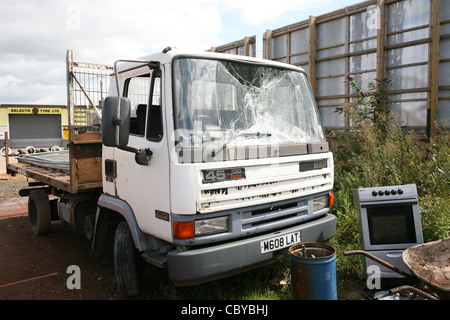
(34,110)
(65,132)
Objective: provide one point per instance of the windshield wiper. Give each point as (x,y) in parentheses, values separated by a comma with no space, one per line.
(240,134)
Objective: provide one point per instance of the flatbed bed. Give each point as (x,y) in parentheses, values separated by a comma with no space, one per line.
(85,168)
(55,178)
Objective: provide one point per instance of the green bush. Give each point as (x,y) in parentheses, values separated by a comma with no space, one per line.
(435,214)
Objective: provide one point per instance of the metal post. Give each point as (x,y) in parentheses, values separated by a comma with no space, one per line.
(6,151)
(69,78)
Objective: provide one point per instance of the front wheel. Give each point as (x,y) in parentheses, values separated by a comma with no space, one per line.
(128,263)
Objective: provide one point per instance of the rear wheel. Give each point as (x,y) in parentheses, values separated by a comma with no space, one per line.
(128,263)
(89,226)
(39,212)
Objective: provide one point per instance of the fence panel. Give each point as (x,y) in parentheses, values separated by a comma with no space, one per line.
(407,56)
(244,47)
(406,41)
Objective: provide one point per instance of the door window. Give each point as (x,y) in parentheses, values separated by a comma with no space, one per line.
(144,92)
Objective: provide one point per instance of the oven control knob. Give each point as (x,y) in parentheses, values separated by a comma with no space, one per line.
(387,192)
(400,191)
(393,192)
(374,193)
(380,192)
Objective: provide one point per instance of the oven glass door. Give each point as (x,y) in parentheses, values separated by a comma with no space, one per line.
(391,224)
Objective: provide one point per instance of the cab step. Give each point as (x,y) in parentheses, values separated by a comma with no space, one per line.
(155,258)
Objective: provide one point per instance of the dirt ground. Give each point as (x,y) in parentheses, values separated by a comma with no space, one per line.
(35,267)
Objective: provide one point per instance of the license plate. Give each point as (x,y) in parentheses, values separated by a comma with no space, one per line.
(280,242)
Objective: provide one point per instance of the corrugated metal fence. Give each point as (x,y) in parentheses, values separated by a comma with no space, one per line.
(406,41)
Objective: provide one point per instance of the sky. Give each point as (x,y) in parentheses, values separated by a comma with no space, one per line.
(36,34)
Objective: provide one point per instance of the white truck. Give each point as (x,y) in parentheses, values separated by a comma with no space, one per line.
(207,164)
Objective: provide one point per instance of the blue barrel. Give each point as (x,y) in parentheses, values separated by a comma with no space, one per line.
(313,271)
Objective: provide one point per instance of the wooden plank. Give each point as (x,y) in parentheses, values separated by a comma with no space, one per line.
(347,69)
(89,165)
(288,47)
(313,54)
(247,46)
(434,66)
(87,137)
(381,40)
(425,26)
(347,55)
(85,160)
(268,45)
(407,44)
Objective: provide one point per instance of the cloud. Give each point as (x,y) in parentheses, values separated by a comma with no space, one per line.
(145,26)
(107,28)
(9,81)
(36,35)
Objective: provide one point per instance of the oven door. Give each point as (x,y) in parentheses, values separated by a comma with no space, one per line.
(390,225)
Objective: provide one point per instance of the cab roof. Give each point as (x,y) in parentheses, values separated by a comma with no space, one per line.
(168,55)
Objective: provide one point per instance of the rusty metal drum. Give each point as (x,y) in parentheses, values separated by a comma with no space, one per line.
(313,271)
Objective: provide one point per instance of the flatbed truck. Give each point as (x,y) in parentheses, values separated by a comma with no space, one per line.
(205,164)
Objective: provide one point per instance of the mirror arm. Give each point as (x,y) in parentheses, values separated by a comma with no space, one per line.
(142,156)
(117,121)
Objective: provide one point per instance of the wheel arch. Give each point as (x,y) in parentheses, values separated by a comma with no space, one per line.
(111,211)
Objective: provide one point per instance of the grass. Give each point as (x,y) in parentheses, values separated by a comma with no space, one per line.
(266,283)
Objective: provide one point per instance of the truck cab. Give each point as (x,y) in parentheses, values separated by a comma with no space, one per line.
(212,165)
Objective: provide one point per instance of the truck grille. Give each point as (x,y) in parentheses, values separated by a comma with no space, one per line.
(265,184)
(273,214)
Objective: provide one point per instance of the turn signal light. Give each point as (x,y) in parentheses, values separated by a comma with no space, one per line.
(331,200)
(183,230)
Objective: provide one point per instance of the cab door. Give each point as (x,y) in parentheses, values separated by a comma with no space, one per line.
(145,187)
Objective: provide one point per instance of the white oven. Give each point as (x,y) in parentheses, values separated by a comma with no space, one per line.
(389,222)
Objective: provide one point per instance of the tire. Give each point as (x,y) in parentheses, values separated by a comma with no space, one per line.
(3,151)
(30,150)
(39,212)
(128,263)
(89,226)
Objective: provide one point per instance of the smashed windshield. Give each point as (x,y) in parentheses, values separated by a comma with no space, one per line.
(237,103)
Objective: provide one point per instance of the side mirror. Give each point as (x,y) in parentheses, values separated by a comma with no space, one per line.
(115,131)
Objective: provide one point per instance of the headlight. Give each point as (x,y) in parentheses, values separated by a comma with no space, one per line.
(320,203)
(211,226)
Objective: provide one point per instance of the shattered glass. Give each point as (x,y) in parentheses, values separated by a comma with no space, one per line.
(236,103)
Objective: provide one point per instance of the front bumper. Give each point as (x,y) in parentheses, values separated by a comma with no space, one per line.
(210,263)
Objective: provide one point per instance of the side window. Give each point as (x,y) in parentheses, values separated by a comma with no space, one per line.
(154,125)
(137,89)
